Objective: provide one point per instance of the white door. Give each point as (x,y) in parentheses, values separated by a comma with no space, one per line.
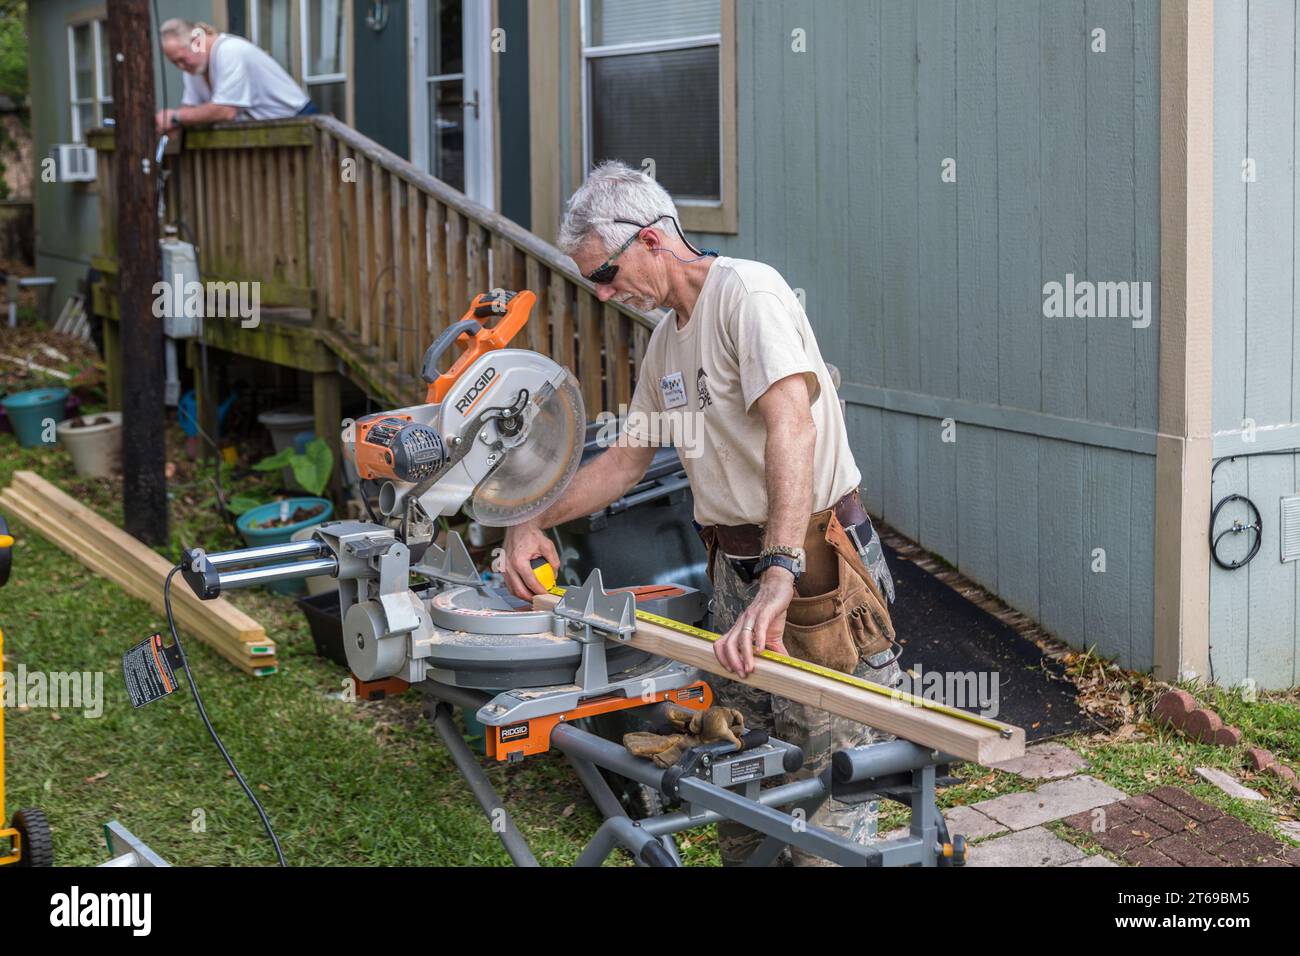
(451,94)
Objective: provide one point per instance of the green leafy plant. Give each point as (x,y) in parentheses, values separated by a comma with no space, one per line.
(312,469)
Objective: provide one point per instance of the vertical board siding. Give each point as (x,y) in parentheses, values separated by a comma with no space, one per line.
(1270,316)
(1253,610)
(932,288)
(864,309)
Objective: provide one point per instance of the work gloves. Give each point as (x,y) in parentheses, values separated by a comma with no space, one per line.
(691,728)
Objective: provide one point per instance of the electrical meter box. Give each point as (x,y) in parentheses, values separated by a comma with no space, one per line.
(183,311)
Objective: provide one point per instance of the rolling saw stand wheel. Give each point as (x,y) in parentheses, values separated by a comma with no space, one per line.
(37,846)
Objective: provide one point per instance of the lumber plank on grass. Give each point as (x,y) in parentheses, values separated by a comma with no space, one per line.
(236,653)
(113,540)
(928,728)
(129,576)
(128,567)
(215,620)
(242,655)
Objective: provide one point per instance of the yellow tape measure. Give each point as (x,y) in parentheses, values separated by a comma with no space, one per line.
(546,576)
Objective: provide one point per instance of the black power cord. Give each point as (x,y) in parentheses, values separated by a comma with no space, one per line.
(1238,527)
(198,702)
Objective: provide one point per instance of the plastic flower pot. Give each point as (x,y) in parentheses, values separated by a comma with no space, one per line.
(250,525)
(28,412)
(94,442)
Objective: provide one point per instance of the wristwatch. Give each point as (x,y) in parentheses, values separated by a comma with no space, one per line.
(792,559)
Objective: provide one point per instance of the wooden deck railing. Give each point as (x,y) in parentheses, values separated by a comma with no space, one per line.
(384,255)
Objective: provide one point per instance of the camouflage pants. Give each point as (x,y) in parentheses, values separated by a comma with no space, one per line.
(818,733)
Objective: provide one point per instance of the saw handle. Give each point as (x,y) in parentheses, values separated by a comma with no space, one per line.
(429,370)
(517,306)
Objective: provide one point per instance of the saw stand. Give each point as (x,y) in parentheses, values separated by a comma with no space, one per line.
(710,783)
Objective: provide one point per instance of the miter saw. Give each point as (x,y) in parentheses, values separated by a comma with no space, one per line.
(500,436)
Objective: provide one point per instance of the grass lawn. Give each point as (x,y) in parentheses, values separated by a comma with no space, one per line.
(366,783)
(343,783)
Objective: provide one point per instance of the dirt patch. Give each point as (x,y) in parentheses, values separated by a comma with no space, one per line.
(299,514)
(80,421)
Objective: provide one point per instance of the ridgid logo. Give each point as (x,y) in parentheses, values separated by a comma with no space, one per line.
(476,390)
(77,909)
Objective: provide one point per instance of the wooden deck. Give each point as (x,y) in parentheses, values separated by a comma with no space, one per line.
(361,259)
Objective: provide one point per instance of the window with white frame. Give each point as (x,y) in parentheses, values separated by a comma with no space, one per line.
(651,90)
(90,79)
(270,27)
(324,68)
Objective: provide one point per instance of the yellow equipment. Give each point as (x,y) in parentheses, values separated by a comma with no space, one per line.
(29,832)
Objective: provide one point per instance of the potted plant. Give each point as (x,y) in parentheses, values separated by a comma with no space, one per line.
(94,442)
(275,522)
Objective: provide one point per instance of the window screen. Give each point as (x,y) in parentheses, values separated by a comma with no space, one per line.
(663,106)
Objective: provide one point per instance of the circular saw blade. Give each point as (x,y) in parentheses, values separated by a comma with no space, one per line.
(534,473)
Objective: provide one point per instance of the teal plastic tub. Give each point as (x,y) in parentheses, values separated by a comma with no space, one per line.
(28,412)
(256,537)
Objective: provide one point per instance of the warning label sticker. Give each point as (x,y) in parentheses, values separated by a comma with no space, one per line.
(742,770)
(148,671)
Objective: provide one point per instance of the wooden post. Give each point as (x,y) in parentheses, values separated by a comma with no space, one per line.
(327,404)
(112,364)
(144,492)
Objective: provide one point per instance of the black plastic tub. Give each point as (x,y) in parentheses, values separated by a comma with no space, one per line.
(326,623)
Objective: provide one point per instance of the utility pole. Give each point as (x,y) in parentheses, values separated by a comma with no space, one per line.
(144,486)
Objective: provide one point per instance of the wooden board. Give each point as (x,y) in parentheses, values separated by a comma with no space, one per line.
(928,728)
(114,540)
(111,552)
(245,656)
(134,580)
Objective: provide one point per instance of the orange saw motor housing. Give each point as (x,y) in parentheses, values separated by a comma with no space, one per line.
(394,446)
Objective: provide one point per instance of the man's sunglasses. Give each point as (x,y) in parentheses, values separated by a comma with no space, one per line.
(604,273)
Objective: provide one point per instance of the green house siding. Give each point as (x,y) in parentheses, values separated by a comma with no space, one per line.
(1253,620)
(66,214)
(928,294)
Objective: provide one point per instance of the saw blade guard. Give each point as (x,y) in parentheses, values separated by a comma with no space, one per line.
(539,464)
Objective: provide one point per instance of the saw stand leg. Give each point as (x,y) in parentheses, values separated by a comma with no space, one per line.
(620,829)
(439,714)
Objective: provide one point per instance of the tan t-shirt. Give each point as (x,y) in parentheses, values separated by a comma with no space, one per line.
(698,385)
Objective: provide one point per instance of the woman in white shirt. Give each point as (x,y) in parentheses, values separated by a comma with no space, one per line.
(226,78)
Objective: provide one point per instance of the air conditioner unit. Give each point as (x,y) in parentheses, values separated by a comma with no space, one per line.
(73,163)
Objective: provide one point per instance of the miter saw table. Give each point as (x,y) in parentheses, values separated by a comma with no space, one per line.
(535,678)
(499,438)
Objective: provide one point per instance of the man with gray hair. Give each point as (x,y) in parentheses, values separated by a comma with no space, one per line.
(225,78)
(795,563)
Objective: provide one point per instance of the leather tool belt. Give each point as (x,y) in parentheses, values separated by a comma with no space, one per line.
(838,616)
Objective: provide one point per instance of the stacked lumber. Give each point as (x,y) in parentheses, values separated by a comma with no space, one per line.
(137,569)
(891,711)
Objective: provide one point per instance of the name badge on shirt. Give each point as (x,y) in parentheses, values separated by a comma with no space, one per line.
(673,389)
